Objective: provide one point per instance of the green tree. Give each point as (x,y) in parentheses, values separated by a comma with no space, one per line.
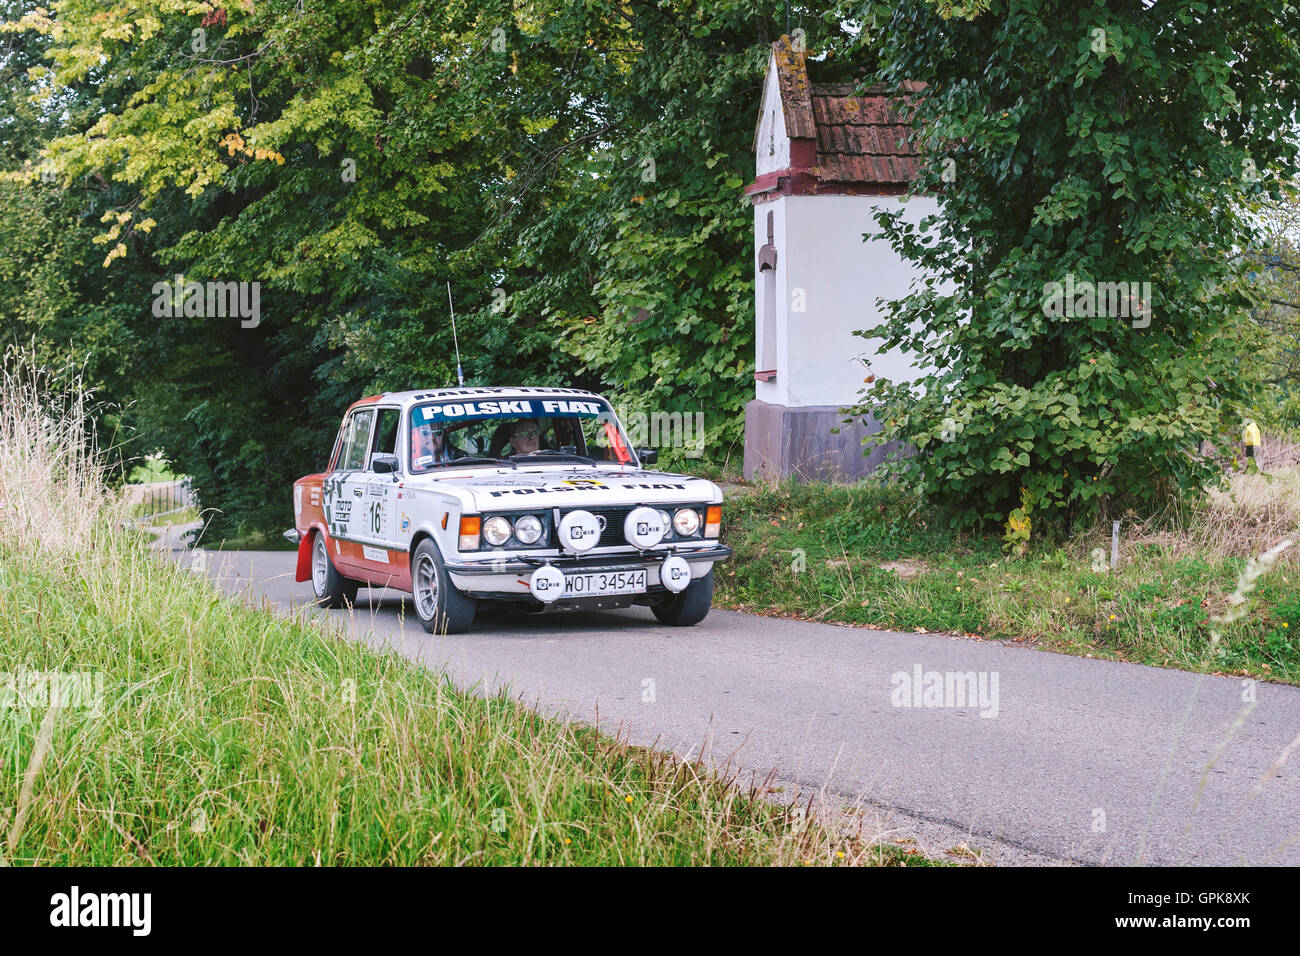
(574,171)
(1093,142)
(1273,265)
(54,301)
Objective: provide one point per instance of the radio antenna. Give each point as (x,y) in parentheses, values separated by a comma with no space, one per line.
(460,376)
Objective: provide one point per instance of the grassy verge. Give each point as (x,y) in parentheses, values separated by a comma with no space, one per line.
(857,555)
(254,541)
(142,515)
(226,735)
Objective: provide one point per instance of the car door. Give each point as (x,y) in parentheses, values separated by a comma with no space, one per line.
(379,529)
(342,498)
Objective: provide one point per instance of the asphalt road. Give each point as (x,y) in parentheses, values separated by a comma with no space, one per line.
(1078,761)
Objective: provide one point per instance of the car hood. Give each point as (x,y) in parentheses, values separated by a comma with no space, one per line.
(573,488)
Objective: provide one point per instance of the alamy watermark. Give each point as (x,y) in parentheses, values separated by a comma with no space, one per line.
(74,908)
(1121,300)
(41,690)
(684,430)
(922,688)
(209,300)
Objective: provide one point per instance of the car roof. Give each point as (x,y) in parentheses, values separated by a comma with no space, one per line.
(434,394)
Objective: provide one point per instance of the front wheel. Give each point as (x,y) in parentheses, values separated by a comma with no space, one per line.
(440,607)
(690,606)
(332,589)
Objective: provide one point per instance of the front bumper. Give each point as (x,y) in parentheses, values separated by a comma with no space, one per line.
(508,578)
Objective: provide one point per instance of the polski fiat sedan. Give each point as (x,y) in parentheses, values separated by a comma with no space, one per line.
(528,497)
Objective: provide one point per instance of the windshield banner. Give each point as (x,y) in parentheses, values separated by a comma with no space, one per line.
(528,408)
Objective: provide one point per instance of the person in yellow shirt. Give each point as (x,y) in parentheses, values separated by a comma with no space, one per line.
(1250,438)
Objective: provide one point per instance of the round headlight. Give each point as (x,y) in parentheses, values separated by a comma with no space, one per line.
(666,518)
(496,531)
(528,529)
(686,521)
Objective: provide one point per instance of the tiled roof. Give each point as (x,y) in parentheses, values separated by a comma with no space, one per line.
(792,81)
(863,138)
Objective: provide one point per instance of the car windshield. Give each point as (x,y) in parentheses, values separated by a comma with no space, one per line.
(518,430)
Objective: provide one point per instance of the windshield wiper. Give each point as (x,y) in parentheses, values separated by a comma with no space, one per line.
(555,455)
(474,460)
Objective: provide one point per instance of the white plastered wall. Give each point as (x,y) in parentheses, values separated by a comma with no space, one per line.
(824,264)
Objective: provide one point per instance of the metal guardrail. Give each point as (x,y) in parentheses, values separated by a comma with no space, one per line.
(162,498)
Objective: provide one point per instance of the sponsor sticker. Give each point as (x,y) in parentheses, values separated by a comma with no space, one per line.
(557,407)
(464,411)
(374,554)
(498,482)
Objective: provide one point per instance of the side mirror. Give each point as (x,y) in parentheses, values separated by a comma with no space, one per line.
(648,456)
(384,464)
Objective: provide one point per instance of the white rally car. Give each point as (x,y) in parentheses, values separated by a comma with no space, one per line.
(529,497)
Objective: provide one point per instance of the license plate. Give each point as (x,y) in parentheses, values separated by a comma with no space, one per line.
(604,582)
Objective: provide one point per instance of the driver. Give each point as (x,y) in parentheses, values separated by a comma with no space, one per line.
(525,436)
(430,446)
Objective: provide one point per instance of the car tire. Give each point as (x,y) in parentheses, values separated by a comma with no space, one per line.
(690,606)
(332,589)
(440,608)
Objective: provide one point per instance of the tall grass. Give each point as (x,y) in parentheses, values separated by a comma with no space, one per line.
(52,493)
(225,734)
